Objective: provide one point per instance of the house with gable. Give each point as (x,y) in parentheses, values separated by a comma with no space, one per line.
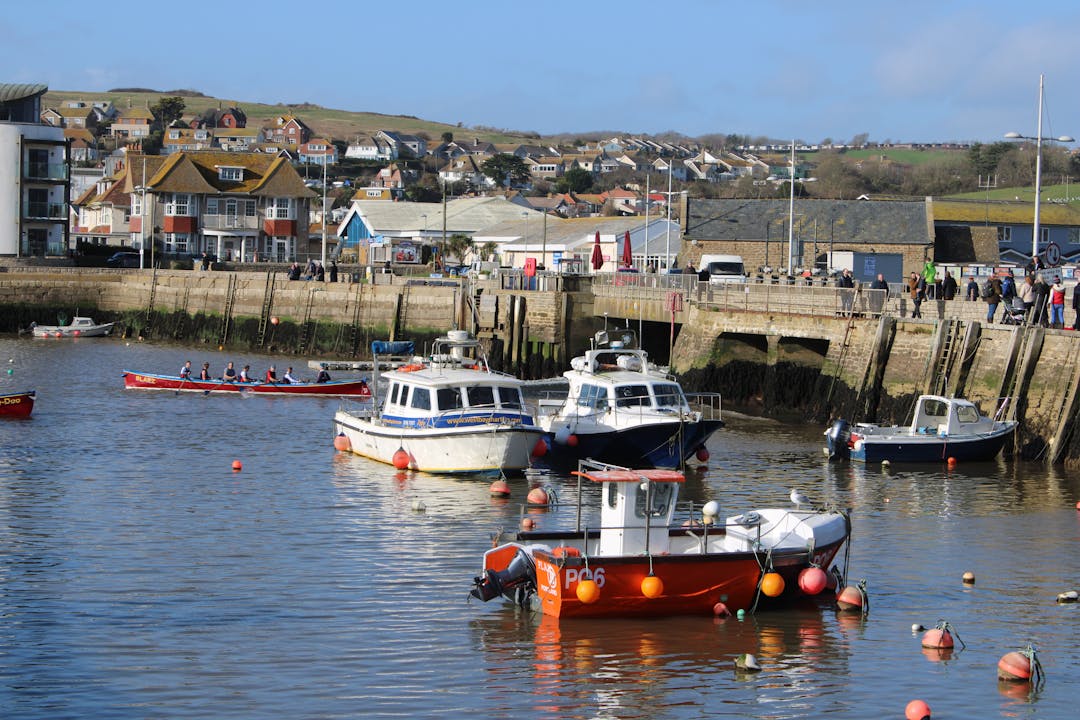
(368,147)
(465,169)
(287,130)
(103,213)
(243,139)
(83,146)
(132,124)
(229,118)
(410,146)
(180,138)
(317,151)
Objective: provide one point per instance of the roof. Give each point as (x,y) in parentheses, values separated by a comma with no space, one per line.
(1008,212)
(847,221)
(463,215)
(10,92)
(197,172)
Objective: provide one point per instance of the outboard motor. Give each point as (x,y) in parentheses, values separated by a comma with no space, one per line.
(519,572)
(837,438)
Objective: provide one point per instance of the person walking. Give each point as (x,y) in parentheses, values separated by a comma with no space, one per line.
(1057,304)
(972,290)
(993,299)
(917,289)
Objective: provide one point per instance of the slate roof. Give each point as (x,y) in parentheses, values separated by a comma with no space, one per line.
(847,221)
(464,215)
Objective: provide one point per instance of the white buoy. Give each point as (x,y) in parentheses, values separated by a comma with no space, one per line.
(747,662)
(418,506)
(1068,597)
(917,628)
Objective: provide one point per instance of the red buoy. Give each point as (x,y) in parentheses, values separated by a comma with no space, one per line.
(850,598)
(572,441)
(401,459)
(702,454)
(341,443)
(527,523)
(812,580)
(540,448)
(500,488)
(720,610)
(938,638)
(1014,667)
(274,320)
(237,466)
(917,710)
(951,462)
(537,496)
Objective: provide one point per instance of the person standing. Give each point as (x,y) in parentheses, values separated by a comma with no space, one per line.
(320,272)
(1057,304)
(929,275)
(877,299)
(948,286)
(972,290)
(993,299)
(1042,299)
(1076,306)
(333,271)
(917,289)
(846,283)
(1026,293)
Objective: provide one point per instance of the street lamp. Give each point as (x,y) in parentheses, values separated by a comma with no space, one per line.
(1038,167)
(525,239)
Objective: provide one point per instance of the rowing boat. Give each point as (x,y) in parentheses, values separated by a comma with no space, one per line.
(331,388)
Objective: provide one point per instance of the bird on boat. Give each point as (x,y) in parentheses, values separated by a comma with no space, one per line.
(799,498)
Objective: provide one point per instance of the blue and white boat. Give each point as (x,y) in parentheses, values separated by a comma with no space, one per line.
(941,428)
(444,413)
(622,409)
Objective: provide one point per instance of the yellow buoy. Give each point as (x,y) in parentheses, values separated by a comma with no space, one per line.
(588,591)
(652,586)
(772,584)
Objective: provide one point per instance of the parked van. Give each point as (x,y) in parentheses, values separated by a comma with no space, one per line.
(723,268)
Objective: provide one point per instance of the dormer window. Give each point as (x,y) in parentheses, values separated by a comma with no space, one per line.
(229,173)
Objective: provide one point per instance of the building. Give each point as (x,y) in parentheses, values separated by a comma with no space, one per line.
(34,185)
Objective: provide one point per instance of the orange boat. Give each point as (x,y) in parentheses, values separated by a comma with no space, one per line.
(636,560)
(17,404)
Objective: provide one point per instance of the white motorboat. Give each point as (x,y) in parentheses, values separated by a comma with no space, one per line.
(622,409)
(79,327)
(444,413)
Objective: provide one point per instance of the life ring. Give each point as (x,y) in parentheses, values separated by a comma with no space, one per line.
(410,368)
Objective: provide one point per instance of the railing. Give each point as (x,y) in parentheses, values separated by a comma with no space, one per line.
(45,210)
(46,171)
(230,222)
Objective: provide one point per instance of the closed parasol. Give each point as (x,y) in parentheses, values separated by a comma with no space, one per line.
(627,254)
(597,253)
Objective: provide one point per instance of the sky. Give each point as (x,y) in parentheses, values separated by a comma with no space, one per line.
(916,71)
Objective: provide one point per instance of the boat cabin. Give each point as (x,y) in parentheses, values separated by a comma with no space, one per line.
(636,508)
(424,398)
(942,416)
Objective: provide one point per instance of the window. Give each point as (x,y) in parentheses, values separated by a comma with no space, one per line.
(178,205)
(659,498)
(593,396)
(234,174)
(176,243)
(395,389)
(481,395)
(280,209)
(631,396)
(510,397)
(449,399)
(136,204)
(421,398)
(668,396)
(967,414)
(249,208)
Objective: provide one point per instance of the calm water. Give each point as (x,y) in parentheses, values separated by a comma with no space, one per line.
(140,577)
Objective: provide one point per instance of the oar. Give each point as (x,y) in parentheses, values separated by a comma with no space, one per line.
(181,385)
(210,390)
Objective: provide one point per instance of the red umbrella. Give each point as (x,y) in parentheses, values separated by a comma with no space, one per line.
(627,256)
(597,253)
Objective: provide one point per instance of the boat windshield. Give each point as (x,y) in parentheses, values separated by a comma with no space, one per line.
(659,497)
(421,398)
(668,395)
(480,395)
(632,396)
(449,398)
(593,396)
(510,397)
(967,414)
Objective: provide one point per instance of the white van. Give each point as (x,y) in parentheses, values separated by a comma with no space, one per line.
(723,268)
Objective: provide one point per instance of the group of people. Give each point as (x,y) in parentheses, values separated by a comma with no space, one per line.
(1031,300)
(244,375)
(313,271)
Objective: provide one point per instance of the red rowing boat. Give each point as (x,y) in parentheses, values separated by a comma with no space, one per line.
(17,404)
(331,388)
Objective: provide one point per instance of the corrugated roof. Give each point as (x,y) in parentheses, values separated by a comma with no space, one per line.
(10,92)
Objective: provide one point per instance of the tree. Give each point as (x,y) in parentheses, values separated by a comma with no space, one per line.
(457,246)
(503,167)
(448,137)
(575,180)
(168,110)
(487,250)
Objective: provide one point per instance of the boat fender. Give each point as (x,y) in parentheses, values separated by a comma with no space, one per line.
(410,368)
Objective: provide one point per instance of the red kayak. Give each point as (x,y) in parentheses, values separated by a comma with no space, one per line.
(332,388)
(17,404)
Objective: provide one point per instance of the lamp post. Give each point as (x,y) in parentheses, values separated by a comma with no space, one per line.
(525,238)
(322,259)
(1038,167)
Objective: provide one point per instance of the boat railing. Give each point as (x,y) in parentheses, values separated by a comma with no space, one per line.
(706,403)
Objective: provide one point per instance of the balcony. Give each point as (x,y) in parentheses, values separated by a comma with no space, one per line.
(46,211)
(230,222)
(46,171)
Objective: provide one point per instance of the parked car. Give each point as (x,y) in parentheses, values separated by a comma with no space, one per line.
(123,260)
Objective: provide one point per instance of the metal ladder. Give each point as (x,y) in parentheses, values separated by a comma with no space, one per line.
(150,305)
(230,299)
(267,307)
(939,378)
(307,327)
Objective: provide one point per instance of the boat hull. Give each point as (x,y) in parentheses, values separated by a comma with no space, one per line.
(931,449)
(656,445)
(17,404)
(481,447)
(334,388)
(66,331)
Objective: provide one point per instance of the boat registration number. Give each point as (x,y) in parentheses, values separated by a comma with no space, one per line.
(11,401)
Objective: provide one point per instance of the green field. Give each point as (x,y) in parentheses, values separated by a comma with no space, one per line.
(905,156)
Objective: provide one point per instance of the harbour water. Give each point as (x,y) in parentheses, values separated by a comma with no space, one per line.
(140,576)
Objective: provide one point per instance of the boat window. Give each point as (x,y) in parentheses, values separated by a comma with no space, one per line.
(593,396)
(395,389)
(935,408)
(480,395)
(660,496)
(967,414)
(612,494)
(449,398)
(668,395)
(421,398)
(632,396)
(510,397)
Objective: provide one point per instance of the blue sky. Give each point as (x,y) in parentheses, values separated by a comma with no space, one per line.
(916,71)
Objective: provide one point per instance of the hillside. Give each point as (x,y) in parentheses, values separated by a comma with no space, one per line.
(338,124)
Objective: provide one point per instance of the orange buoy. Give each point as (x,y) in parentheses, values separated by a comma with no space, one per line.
(1014,667)
(572,440)
(720,610)
(702,454)
(587,591)
(527,523)
(951,462)
(400,459)
(537,496)
(341,442)
(938,638)
(274,320)
(917,710)
(772,584)
(500,488)
(652,586)
(237,466)
(852,597)
(565,551)
(1077,504)
(540,448)
(812,580)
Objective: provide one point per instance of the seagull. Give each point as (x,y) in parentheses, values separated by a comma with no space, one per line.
(799,498)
